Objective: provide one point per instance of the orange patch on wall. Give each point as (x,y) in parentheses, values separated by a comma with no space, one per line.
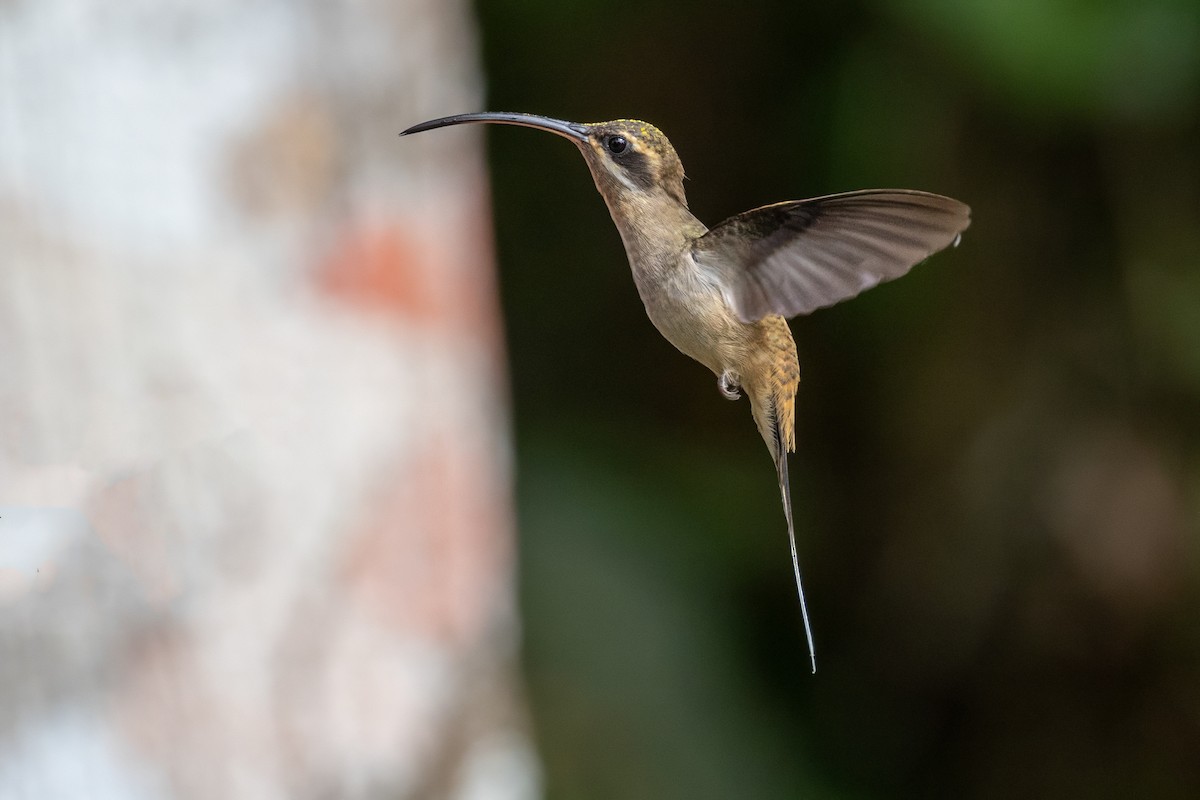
(439,274)
(383,271)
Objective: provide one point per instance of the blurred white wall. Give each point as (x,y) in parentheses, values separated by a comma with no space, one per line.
(255,525)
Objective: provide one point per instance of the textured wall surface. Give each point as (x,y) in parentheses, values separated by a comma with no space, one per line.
(255,524)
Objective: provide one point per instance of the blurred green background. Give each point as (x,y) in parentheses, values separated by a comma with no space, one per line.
(996,483)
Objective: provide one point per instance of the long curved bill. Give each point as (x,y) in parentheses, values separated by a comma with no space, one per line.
(571,130)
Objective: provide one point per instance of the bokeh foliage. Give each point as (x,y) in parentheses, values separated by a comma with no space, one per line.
(996,486)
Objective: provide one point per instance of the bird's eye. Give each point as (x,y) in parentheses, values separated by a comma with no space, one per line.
(617,145)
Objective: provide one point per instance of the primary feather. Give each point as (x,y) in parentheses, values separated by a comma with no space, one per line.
(792,258)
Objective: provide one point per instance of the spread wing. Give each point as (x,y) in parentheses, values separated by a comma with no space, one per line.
(792,258)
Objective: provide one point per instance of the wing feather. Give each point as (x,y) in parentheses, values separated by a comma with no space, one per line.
(792,258)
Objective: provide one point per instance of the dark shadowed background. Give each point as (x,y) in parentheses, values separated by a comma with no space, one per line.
(998,455)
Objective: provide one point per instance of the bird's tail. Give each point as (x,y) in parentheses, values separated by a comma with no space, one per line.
(780,452)
(773,403)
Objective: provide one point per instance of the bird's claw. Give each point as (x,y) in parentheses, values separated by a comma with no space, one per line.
(729,385)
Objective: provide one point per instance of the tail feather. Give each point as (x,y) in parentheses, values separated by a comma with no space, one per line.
(781,467)
(771,384)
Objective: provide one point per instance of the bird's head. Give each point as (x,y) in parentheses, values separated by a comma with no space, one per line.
(629,159)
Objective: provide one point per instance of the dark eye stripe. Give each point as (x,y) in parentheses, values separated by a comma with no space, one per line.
(637,166)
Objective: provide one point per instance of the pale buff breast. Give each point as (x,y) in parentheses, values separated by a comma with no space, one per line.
(690,311)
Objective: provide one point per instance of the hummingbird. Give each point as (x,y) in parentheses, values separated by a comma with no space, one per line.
(723,295)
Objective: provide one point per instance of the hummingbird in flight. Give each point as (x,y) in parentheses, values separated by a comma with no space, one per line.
(723,295)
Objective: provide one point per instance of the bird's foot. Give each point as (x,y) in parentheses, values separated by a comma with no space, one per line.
(729,385)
